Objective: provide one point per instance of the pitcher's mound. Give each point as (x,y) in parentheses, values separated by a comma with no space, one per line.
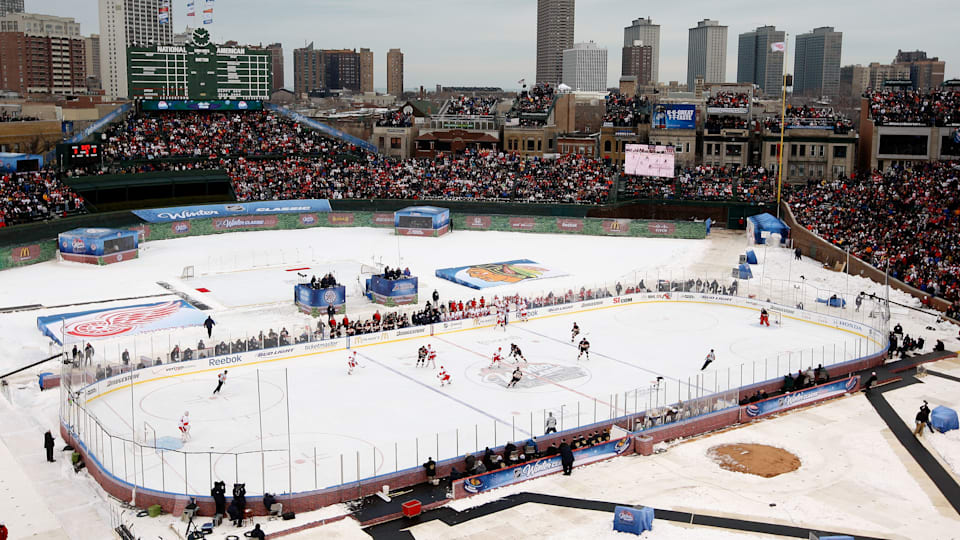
(758,459)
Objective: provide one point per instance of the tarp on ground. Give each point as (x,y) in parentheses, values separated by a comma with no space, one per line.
(482,276)
(766,223)
(121,321)
(744,272)
(751,257)
(944,419)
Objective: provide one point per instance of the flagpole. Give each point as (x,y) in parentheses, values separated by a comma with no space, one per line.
(783,113)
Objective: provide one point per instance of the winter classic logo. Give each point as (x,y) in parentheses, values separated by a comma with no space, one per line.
(622,445)
(473,485)
(330,296)
(308,219)
(625,516)
(180,227)
(77,245)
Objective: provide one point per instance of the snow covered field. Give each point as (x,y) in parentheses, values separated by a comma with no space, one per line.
(359,412)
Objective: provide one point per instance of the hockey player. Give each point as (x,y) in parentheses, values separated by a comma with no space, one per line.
(444,377)
(708,360)
(501,316)
(574,332)
(497,358)
(352,362)
(584,348)
(431,357)
(517,375)
(221,378)
(184,426)
(516,353)
(764,317)
(422,356)
(522,310)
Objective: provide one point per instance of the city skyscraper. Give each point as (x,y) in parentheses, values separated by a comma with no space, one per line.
(366,70)
(757,62)
(276,65)
(124,23)
(648,34)
(707,53)
(637,61)
(816,69)
(42,54)
(307,70)
(554,35)
(10,6)
(924,72)
(585,67)
(395,72)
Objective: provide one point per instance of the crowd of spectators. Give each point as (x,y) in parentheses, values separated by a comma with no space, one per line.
(729,100)
(471,106)
(7,117)
(35,196)
(568,179)
(212,135)
(516,453)
(537,99)
(706,183)
(716,123)
(806,116)
(907,217)
(938,107)
(626,111)
(396,118)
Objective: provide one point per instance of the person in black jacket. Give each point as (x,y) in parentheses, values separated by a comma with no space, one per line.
(923,419)
(431,467)
(219,500)
(566,457)
(872,379)
(48,445)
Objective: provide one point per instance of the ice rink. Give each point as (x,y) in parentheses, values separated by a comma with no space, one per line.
(390,414)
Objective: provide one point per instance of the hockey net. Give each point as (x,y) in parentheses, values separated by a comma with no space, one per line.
(187,272)
(776,318)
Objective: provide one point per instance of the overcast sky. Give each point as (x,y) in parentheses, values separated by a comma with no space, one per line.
(493,42)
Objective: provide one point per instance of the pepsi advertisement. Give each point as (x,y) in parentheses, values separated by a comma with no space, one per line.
(675,117)
(542,467)
(803,397)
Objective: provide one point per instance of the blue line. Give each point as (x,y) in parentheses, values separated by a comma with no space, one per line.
(427,386)
(596,353)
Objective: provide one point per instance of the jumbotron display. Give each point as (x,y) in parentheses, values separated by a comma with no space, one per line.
(649,160)
(199,71)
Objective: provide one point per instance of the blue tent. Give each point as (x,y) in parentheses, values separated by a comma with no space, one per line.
(751,257)
(944,419)
(745,272)
(760,223)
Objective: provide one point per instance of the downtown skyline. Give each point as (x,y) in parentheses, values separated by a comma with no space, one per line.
(447,42)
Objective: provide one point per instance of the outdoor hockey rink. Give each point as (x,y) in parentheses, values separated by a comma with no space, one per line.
(391,415)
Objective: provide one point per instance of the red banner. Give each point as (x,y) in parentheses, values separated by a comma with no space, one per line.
(569,225)
(661,228)
(523,223)
(25,253)
(616,226)
(340,218)
(478,222)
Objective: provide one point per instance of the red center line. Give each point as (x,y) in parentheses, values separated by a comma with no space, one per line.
(598,400)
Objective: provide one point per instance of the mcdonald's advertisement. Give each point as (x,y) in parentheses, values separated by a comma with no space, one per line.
(27,254)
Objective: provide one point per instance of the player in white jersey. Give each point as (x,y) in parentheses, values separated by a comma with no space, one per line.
(444,377)
(352,362)
(522,310)
(184,426)
(431,357)
(574,332)
(497,358)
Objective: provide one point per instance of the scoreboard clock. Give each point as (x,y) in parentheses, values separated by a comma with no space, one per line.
(82,151)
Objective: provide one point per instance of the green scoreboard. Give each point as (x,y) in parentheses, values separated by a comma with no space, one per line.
(199,71)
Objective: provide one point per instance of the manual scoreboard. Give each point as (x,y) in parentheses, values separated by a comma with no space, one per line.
(199,71)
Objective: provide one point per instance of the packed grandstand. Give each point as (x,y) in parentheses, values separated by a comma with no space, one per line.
(909,217)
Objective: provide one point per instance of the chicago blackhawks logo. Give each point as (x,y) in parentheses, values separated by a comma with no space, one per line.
(121,321)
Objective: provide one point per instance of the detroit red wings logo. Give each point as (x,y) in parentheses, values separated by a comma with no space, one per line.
(112,323)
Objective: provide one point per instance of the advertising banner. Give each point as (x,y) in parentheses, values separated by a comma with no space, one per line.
(478,222)
(803,397)
(211,105)
(569,225)
(180,213)
(392,292)
(674,116)
(123,321)
(309,299)
(481,276)
(542,467)
(727,110)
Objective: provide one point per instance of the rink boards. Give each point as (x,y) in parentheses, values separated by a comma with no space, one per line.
(279,354)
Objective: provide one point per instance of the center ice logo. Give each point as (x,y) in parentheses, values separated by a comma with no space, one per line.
(534,375)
